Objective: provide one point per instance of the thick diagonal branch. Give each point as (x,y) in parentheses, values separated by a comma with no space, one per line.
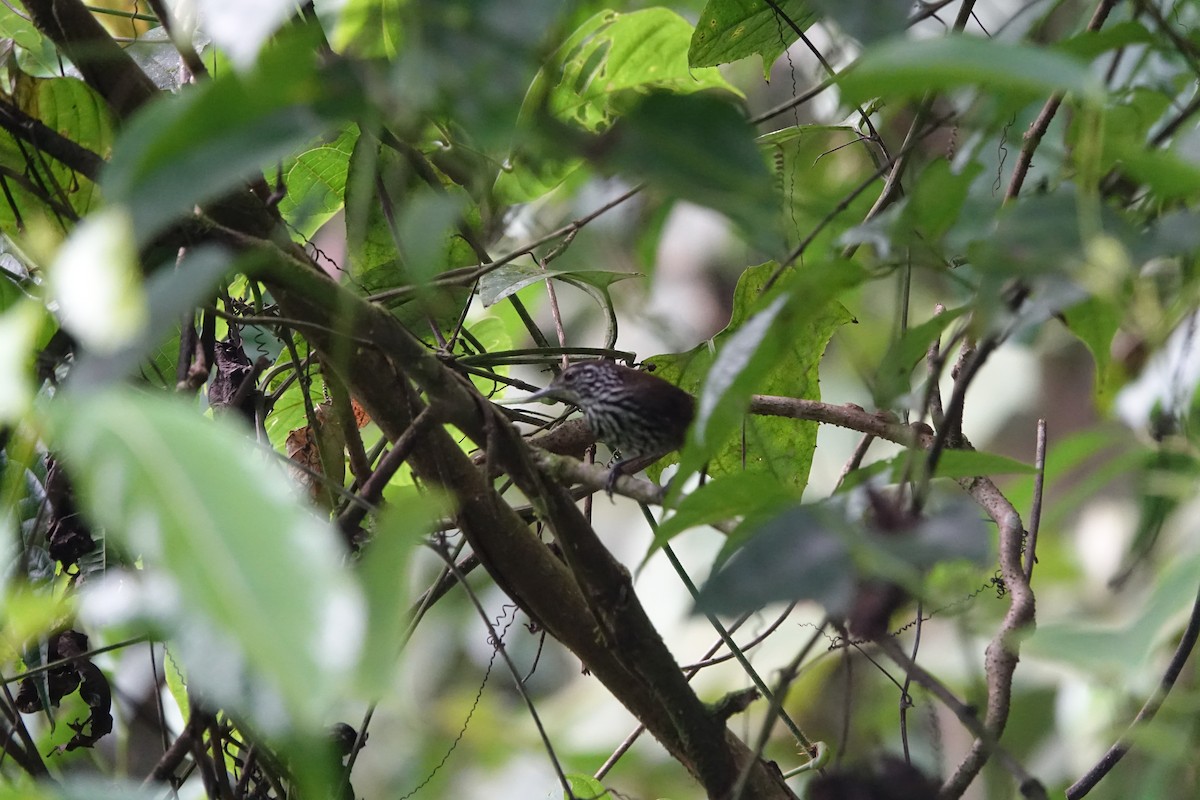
(587,603)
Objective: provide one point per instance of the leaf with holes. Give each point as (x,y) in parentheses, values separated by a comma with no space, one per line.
(730,30)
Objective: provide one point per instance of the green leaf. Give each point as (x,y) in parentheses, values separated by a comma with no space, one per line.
(196,501)
(956,532)
(730,30)
(41,55)
(369,28)
(615,54)
(1167,478)
(802,554)
(973,463)
(511,278)
(599,72)
(1095,322)
(585,787)
(527,175)
(815,552)
(741,494)
(176,683)
(748,343)
(402,232)
(937,199)
(191,150)
(316,183)
(894,375)
(1082,465)
(702,149)
(63,104)
(399,531)
(1089,44)
(1116,653)
(427,230)
(1171,176)
(768,349)
(1040,239)
(915,67)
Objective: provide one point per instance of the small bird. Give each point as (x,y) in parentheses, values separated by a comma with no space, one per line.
(633,412)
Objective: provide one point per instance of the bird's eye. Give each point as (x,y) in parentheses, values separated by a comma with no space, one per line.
(568,377)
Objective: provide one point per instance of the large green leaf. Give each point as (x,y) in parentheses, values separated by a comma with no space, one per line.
(403,233)
(369,28)
(598,74)
(728,497)
(894,375)
(237,556)
(66,105)
(915,67)
(316,182)
(1116,652)
(773,345)
(730,30)
(1091,43)
(937,200)
(37,53)
(1095,322)
(614,54)
(585,787)
(820,552)
(952,464)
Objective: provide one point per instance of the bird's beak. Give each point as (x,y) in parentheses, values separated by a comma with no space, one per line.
(543,394)
(548,392)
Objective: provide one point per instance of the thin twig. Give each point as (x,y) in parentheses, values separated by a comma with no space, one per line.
(372,489)
(468,275)
(775,711)
(747,667)
(856,459)
(905,696)
(829,70)
(443,552)
(174,755)
(1002,652)
(187,53)
(1033,137)
(1029,785)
